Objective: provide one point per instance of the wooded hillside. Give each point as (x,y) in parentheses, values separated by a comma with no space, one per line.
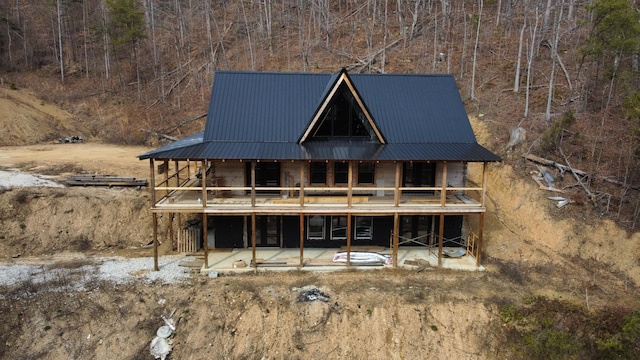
(565,71)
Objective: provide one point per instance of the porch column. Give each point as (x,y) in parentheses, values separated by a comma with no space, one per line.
(443,191)
(396,191)
(166,176)
(349,191)
(154,215)
(302,179)
(484,182)
(301,240)
(440,239)
(155,242)
(396,229)
(480,231)
(253,240)
(349,238)
(205,231)
(205,227)
(253,184)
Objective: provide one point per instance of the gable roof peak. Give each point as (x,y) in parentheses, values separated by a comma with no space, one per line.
(357,115)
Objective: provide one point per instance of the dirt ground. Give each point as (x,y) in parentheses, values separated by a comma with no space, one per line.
(532,248)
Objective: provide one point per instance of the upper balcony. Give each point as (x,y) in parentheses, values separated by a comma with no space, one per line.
(191,196)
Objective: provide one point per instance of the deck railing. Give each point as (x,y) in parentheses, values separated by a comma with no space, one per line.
(191,195)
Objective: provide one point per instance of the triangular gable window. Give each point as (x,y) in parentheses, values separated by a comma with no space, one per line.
(342,117)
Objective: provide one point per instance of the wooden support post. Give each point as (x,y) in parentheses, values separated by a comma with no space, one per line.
(301,240)
(155,242)
(171,230)
(396,191)
(440,239)
(302,180)
(349,237)
(166,176)
(203,175)
(205,245)
(253,184)
(484,184)
(205,226)
(396,242)
(177,165)
(152,179)
(443,191)
(253,241)
(479,244)
(349,191)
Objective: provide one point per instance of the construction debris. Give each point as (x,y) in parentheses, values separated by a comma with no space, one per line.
(161,345)
(363,258)
(308,294)
(104,180)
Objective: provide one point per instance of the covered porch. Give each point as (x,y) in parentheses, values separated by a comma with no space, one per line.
(276,259)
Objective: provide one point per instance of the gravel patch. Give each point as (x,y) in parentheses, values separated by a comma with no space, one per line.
(17,179)
(116,270)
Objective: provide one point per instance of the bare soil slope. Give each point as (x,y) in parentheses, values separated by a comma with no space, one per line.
(531,248)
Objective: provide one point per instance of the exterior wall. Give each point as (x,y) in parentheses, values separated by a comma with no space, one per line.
(232,172)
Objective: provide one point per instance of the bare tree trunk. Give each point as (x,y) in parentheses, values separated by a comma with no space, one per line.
(547,15)
(554,55)
(246,26)
(464,41)
(59,16)
(530,65)
(516,80)
(85,31)
(498,13)
(105,41)
(475,54)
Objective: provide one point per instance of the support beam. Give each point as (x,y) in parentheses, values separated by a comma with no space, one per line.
(205,226)
(480,232)
(253,241)
(349,190)
(205,232)
(302,180)
(396,191)
(253,184)
(349,236)
(152,176)
(443,191)
(396,242)
(155,242)
(301,240)
(484,184)
(440,239)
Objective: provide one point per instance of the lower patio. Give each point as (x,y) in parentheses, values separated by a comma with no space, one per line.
(277,259)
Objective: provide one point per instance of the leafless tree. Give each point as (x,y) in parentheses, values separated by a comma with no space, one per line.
(475,52)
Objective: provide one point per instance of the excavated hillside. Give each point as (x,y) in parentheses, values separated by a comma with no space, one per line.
(559,259)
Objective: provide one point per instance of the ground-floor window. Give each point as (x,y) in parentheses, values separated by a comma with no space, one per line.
(315,227)
(338,227)
(364,227)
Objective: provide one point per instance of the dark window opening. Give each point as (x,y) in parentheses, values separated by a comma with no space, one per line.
(267,175)
(318,173)
(341,173)
(343,118)
(366,173)
(418,174)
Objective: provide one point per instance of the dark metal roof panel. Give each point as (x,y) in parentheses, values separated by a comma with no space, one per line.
(262,106)
(416,108)
(181,144)
(328,151)
(255,115)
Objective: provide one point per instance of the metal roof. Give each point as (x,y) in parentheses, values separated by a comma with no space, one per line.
(261,115)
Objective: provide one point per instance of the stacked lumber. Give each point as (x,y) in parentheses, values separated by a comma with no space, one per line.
(104,180)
